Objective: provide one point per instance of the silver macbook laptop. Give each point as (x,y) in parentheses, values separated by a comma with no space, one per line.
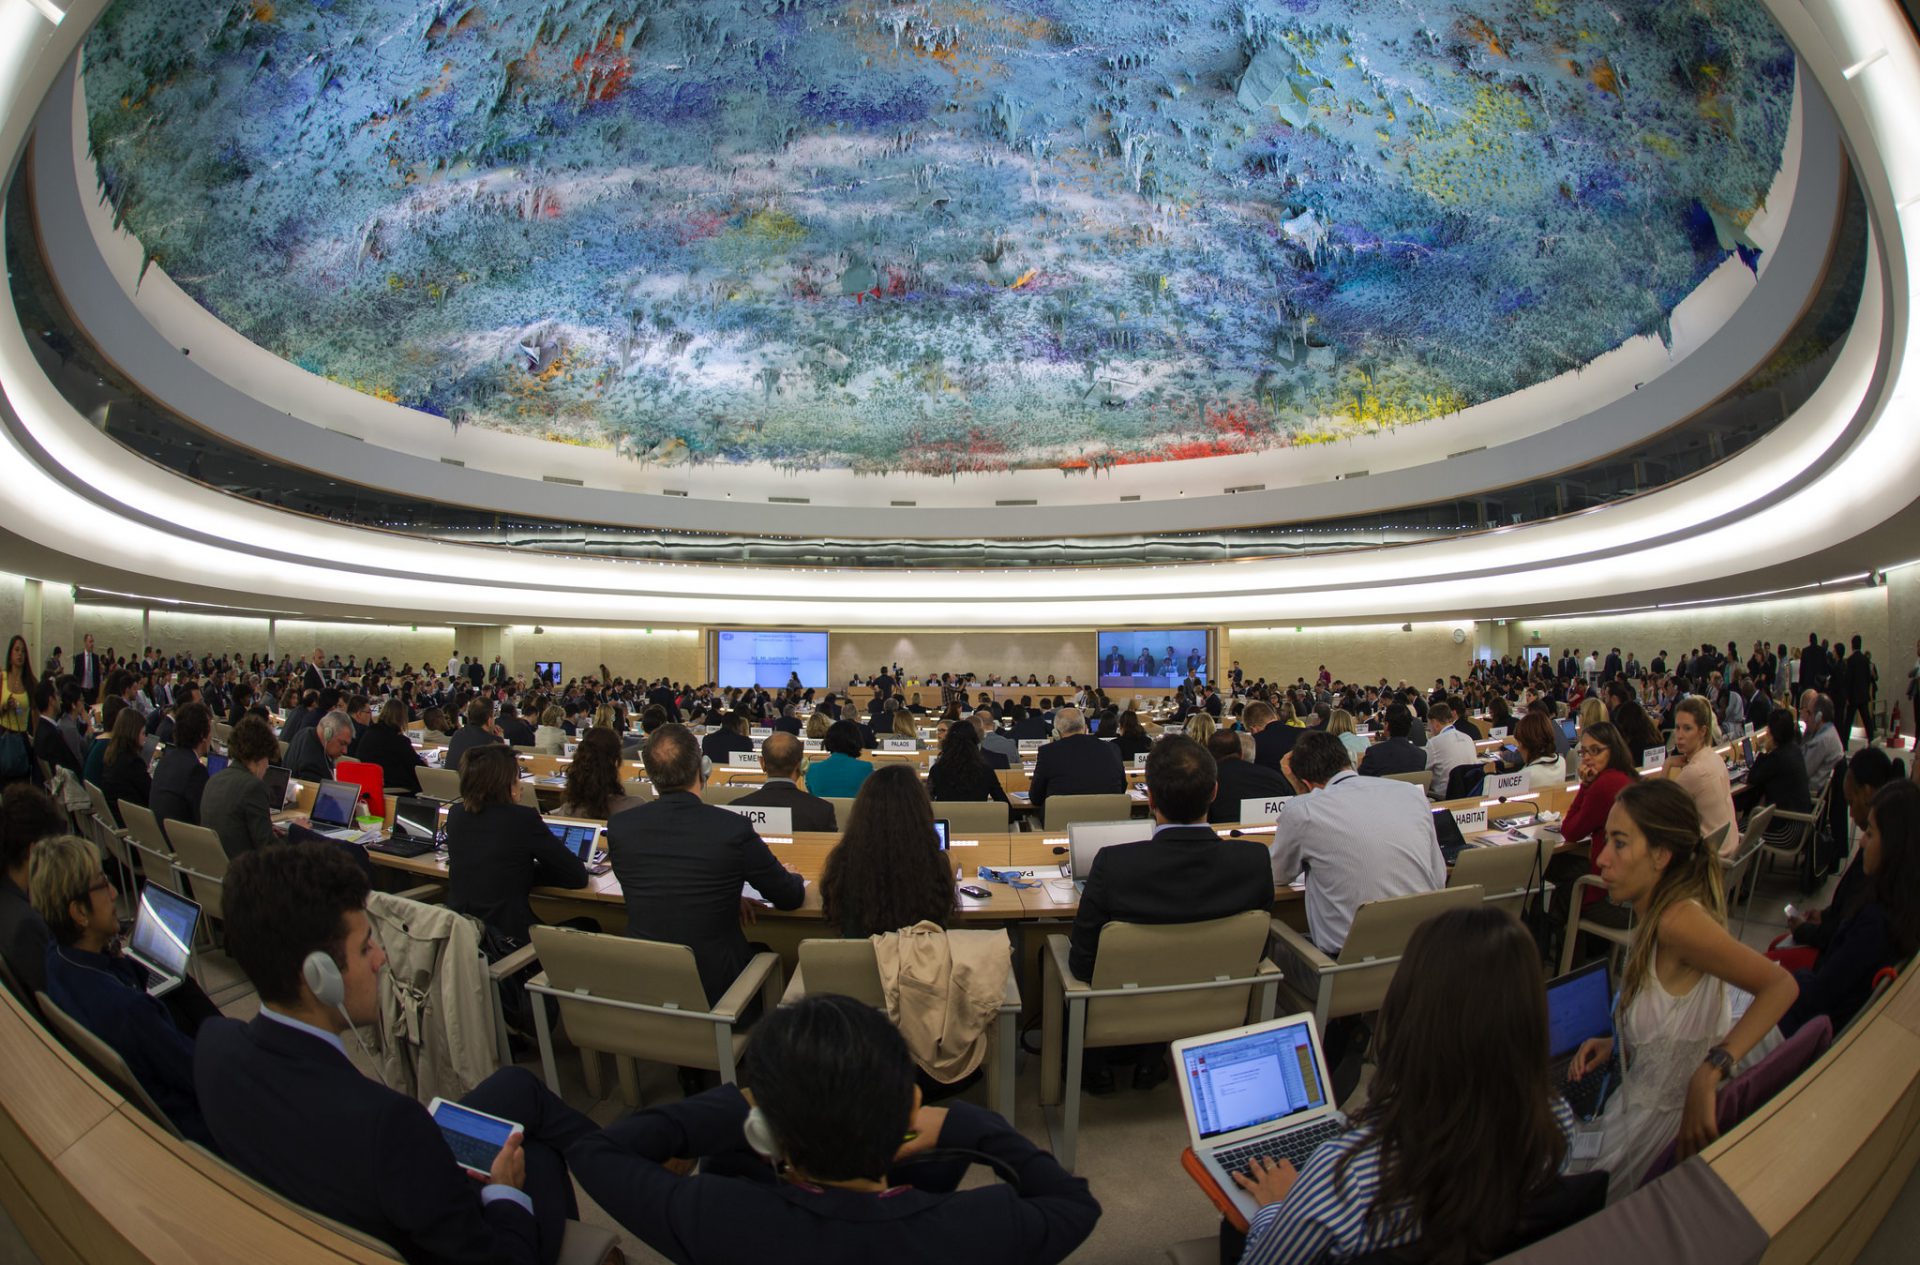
(334,806)
(162,939)
(1261,1090)
(579,836)
(1085,838)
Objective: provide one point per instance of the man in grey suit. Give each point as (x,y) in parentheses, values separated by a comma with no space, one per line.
(234,805)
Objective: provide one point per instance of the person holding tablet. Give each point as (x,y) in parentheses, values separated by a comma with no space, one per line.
(289,1108)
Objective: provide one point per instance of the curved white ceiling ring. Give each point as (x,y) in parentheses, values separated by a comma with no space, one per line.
(1723,331)
(1818,522)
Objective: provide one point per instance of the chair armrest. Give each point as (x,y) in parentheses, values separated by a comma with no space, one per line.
(1057,946)
(1010,999)
(1782,814)
(796,988)
(425,893)
(741,992)
(1588,880)
(1297,959)
(521,958)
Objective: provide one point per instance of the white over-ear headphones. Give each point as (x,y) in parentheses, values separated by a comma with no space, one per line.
(760,1136)
(322,974)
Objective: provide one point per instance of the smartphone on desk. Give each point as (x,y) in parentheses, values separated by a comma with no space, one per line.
(474,1136)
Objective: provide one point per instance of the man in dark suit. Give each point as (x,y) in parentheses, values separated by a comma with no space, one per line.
(781,756)
(1184,873)
(730,737)
(313,751)
(27,815)
(681,863)
(311,678)
(662,696)
(478,730)
(289,1108)
(48,742)
(180,775)
(1076,763)
(1272,738)
(1860,685)
(1029,725)
(1813,665)
(514,727)
(789,720)
(1239,778)
(1396,753)
(87,670)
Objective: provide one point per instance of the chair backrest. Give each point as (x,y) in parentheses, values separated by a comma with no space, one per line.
(842,808)
(345,1231)
(1465,780)
(439,783)
(846,967)
(972,817)
(100,806)
(199,849)
(1063,810)
(1749,1091)
(1379,935)
(1733,869)
(1717,837)
(102,1059)
(1150,955)
(1418,777)
(715,793)
(155,852)
(591,964)
(1508,873)
(637,789)
(370,778)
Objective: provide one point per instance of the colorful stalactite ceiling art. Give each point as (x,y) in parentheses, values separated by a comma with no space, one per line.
(939,237)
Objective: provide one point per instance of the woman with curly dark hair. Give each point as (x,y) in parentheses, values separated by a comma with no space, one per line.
(888,871)
(594,788)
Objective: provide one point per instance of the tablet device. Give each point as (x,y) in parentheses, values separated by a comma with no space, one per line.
(474,1136)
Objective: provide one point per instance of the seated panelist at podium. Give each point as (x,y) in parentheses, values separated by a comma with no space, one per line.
(782,757)
(289,1108)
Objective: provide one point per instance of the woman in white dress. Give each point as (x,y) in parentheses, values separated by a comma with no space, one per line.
(1673,1019)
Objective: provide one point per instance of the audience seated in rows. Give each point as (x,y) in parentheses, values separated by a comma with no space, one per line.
(498,850)
(1673,1013)
(1866,771)
(828,1154)
(123,765)
(887,871)
(1132,739)
(783,757)
(1778,776)
(1396,753)
(1696,768)
(288,1107)
(1606,767)
(477,731)
(960,771)
(1075,763)
(314,750)
(730,736)
(840,774)
(234,804)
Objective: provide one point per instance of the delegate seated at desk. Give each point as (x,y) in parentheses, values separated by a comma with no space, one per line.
(313,751)
(386,744)
(498,851)
(1447,749)
(681,864)
(1238,776)
(1075,763)
(234,806)
(782,757)
(180,774)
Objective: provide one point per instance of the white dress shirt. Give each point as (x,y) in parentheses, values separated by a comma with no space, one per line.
(1447,751)
(1359,839)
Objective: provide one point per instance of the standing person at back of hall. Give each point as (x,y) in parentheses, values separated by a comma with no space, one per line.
(1076,762)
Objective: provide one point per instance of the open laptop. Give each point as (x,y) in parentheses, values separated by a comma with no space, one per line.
(162,938)
(940,832)
(216,763)
(334,806)
(1262,1090)
(1086,838)
(1580,1006)
(276,779)
(1447,831)
(416,827)
(579,837)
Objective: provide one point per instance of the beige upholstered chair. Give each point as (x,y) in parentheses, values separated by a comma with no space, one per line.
(972,817)
(638,999)
(1356,982)
(1798,848)
(198,854)
(1509,873)
(1618,937)
(847,967)
(715,793)
(1418,777)
(1063,810)
(155,853)
(842,809)
(1151,983)
(439,783)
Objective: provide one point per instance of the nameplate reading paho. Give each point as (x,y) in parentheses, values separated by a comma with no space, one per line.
(1261,809)
(768,820)
(743,760)
(1653,757)
(1470,819)
(1509,784)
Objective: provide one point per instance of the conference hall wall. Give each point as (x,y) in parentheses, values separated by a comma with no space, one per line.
(1356,652)
(118,628)
(922,653)
(680,654)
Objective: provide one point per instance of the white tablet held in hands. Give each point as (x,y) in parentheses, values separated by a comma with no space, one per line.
(474,1136)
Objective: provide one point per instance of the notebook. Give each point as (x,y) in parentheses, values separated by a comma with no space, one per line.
(1261,1090)
(162,939)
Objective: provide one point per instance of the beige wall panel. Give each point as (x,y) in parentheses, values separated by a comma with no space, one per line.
(175,631)
(399,642)
(1355,652)
(922,654)
(634,653)
(115,628)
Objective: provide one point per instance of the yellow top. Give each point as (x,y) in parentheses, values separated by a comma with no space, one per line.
(16,709)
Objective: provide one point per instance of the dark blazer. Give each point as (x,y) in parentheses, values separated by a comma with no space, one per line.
(1859,677)
(1039,1218)
(1393,755)
(1841,980)
(517,732)
(810,812)
(1241,779)
(1273,742)
(178,781)
(1036,725)
(1779,778)
(681,863)
(312,679)
(289,1110)
(234,806)
(951,780)
(126,778)
(298,718)
(721,743)
(1079,764)
(464,739)
(1131,745)
(24,937)
(498,855)
(107,995)
(51,745)
(394,753)
(786,725)
(1182,874)
(307,758)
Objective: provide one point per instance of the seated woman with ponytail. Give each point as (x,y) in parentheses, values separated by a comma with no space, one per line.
(1672,1015)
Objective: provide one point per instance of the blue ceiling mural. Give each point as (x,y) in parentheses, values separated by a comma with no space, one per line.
(939,237)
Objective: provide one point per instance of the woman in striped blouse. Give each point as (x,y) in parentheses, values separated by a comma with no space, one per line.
(1462,1127)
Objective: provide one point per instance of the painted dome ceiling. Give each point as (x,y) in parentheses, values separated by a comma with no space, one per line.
(939,237)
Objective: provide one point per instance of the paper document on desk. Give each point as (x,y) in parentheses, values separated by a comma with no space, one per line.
(1299,884)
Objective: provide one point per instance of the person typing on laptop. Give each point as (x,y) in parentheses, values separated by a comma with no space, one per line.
(1459,1147)
(290,1109)
(102,989)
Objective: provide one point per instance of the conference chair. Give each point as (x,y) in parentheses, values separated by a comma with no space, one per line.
(102,1060)
(111,839)
(842,809)
(637,790)
(198,854)
(439,783)
(1798,848)
(847,967)
(154,852)
(1740,868)
(370,778)
(1418,777)
(1151,984)
(972,817)
(1466,780)
(1509,873)
(638,999)
(715,793)
(1751,1089)
(1619,937)
(1063,810)
(1356,982)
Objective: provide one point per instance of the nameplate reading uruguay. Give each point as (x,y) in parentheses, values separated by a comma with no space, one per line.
(766,821)
(1509,784)
(1653,757)
(743,759)
(1261,809)
(1470,819)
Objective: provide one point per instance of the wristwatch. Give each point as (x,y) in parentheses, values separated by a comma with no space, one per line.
(1722,1062)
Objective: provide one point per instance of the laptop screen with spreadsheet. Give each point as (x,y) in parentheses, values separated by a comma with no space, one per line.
(1254,1079)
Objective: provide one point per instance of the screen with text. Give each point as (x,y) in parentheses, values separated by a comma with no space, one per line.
(1254,1079)
(749,656)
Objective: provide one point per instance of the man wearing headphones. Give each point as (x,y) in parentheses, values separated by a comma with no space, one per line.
(829,1155)
(289,1108)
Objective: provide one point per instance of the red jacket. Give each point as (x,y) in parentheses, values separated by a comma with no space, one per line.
(1586,819)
